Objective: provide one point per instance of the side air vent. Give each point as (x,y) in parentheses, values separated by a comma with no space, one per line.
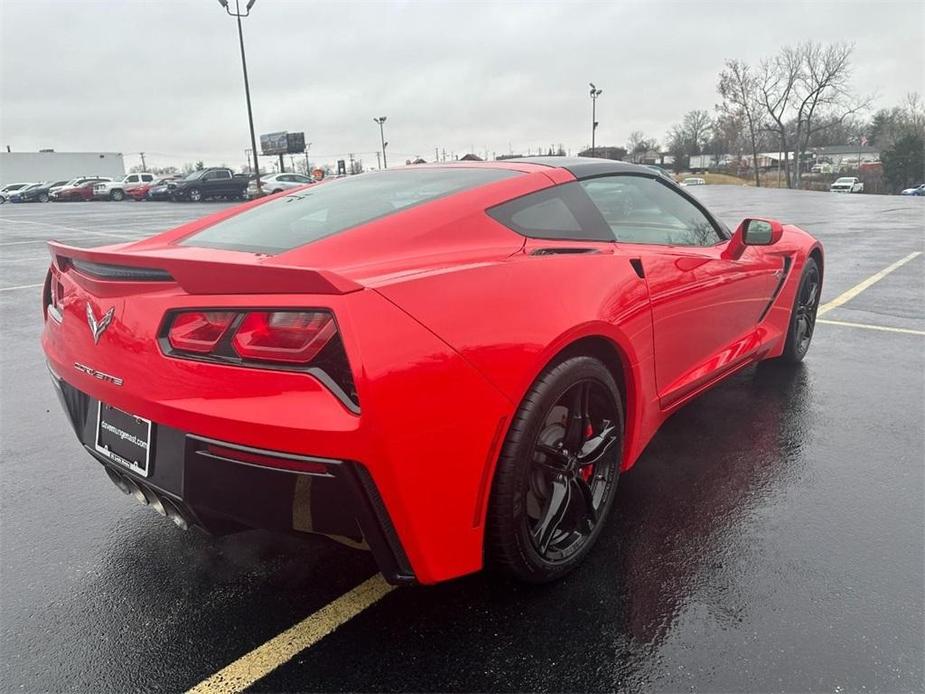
(563,251)
(637,266)
(117,272)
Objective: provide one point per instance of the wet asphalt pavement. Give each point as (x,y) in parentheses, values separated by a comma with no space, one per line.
(771,537)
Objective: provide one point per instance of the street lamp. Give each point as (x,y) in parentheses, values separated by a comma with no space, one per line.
(381,121)
(595,92)
(247,90)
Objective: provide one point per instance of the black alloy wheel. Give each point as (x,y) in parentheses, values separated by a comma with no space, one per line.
(558,472)
(803,318)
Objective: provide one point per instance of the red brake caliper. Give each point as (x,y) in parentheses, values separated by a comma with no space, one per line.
(587,470)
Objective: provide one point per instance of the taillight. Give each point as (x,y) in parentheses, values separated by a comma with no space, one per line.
(286,336)
(198,331)
(288,340)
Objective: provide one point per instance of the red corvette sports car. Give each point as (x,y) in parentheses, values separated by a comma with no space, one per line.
(449,364)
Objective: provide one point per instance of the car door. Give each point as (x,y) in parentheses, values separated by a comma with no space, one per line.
(705,305)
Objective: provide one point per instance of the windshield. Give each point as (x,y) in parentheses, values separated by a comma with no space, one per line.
(195,175)
(311,214)
(845,180)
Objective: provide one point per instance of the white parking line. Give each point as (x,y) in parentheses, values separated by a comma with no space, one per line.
(844,297)
(264,659)
(21,286)
(868,326)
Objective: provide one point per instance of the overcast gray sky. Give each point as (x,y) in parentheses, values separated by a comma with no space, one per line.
(164,77)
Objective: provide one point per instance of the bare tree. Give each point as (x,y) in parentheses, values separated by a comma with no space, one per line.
(696,127)
(776,81)
(739,89)
(639,144)
(822,97)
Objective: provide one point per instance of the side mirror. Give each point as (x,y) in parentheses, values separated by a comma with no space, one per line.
(761,232)
(753,232)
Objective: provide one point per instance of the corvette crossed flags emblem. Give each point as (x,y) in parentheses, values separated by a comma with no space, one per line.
(97,327)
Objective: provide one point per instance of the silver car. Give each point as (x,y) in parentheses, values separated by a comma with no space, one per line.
(276,183)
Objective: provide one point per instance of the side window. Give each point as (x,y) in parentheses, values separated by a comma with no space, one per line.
(223,174)
(132,179)
(561,212)
(645,210)
(147,178)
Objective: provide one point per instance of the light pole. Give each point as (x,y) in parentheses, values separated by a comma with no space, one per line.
(381,121)
(595,92)
(247,89)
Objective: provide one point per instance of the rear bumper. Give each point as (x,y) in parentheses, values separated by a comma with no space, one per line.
(195,487)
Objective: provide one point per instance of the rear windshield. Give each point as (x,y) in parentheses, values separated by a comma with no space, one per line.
(328,208)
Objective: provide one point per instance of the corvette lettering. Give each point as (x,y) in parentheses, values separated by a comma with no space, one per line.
(109,378)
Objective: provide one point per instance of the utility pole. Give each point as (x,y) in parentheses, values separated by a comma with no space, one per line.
(143,166)
(381,121)
(595,92)
(436,154)
(247,89)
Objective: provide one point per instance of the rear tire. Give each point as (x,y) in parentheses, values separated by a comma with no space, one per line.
(530,535)
(803,314)
(117,196)
(43,197)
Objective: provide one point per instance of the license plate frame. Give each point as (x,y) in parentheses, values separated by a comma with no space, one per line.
(127,440)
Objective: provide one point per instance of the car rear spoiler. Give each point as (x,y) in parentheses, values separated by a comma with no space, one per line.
(197,275)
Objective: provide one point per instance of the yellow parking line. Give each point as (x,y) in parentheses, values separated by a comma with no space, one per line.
(867,326)
(261,661)
(858,288)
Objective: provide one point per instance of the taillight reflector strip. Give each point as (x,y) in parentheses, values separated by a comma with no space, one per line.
(269,460)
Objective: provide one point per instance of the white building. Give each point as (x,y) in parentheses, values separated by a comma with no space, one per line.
(33,167)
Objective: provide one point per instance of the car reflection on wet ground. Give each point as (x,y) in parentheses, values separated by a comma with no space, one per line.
(769,539)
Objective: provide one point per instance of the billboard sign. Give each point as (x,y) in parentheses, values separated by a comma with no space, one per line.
(295,143)
(274,143)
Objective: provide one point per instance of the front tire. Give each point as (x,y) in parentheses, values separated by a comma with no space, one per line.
(117,196)
(194,195)
(557,473)
(803,315)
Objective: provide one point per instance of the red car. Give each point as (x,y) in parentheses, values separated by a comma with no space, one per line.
(451,365)
(81,189)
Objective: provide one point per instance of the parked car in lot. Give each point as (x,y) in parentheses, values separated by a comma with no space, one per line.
(693,181)
(160,189)
(143,190)
(915,190)
(37,192)
(382,360)
(215,182)
(78,189)
(119,188)
(10,188)
(277,183)
(847,184)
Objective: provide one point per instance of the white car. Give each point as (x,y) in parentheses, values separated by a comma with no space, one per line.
(693,181)
(116,190)
(9,189)
(276,183)
(916,190)
(847,184)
